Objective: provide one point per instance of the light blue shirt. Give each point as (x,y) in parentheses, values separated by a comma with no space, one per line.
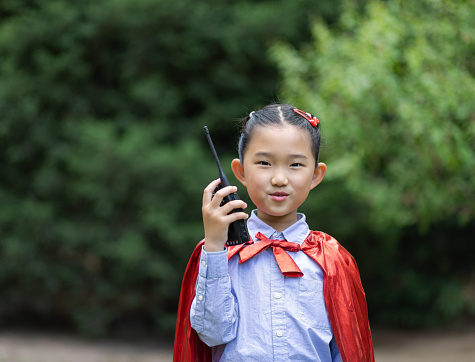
(251,312)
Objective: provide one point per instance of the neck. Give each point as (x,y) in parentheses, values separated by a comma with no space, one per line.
(278,223)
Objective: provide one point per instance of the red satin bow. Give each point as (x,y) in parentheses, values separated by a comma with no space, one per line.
(284,261)
(312,119)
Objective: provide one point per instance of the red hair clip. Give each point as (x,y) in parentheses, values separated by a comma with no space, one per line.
(313,120)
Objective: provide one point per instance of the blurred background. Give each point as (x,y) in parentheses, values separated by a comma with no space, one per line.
(103,159)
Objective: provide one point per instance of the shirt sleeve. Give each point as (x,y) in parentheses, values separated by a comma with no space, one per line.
(214,311)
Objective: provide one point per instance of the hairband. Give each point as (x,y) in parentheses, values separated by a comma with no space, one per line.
(313,120)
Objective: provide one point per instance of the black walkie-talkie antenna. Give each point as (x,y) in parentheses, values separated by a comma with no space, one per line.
(222,175)
(237,230)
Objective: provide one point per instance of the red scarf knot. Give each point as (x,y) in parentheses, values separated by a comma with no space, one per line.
(285,262)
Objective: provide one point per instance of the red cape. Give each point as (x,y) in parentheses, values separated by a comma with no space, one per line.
(344,298)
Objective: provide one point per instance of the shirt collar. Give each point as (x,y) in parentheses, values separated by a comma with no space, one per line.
(296,233)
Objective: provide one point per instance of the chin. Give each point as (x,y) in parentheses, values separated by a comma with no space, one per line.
(276,213)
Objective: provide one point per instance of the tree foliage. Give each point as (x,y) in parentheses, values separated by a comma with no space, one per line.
(102,152)
(104,161)
(393,88)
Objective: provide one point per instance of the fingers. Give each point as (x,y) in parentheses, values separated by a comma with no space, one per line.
(233,205)
(212,209)
(220,195)
(236,216)
(208,192)
(216,218)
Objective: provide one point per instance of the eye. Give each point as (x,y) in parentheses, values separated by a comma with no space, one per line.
(296,164)
(263,163)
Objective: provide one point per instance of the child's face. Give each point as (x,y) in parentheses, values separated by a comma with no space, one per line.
(279,171)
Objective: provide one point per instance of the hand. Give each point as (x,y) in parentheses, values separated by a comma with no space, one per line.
(216,218)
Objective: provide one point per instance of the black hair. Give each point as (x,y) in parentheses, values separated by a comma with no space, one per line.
(276,114)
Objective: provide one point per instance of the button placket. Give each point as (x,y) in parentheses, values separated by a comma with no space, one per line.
(278,315)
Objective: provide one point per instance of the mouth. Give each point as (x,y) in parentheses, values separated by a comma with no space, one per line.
(279,196)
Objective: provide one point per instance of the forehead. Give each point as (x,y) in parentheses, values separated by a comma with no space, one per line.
(280,140)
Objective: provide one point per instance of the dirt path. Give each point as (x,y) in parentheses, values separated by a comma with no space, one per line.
(390,346)
(39,347)
(424,347)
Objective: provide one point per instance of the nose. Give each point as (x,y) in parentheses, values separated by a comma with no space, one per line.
(279,178)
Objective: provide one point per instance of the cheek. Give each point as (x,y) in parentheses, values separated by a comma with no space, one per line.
(256,185)
(262,178)
(303,183)
(253,183)
(252,176)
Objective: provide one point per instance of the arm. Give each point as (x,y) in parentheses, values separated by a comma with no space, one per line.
(214,311)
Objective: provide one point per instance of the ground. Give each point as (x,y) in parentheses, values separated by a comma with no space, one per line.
(390,346)
(436,346)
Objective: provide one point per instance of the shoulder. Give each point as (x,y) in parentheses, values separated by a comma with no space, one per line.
(332,257)
(329,245)
(321,237)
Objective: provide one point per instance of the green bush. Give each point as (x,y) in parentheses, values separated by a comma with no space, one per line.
(393,88)
(102,151)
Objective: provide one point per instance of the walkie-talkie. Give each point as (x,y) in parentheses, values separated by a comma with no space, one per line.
(237,232)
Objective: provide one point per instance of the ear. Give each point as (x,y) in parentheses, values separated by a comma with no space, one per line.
(238,170)
(318,174)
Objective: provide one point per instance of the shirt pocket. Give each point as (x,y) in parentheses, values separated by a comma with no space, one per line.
(311,304)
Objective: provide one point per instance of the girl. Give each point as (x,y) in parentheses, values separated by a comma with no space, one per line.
(290,293)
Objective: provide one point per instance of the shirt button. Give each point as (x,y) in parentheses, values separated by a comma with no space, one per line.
(277,295)
(200,298)
(280,333)
(203,262)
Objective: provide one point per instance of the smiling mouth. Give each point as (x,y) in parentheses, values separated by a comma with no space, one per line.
(279,196)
